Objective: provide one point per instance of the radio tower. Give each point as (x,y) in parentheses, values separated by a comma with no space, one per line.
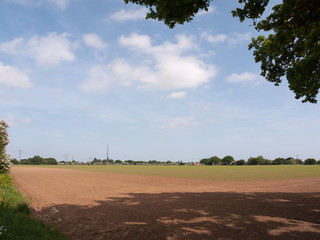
(107,152)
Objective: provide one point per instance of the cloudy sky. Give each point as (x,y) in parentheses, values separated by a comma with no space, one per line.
(76,75)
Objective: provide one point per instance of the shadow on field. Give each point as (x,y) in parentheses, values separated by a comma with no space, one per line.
(217,215)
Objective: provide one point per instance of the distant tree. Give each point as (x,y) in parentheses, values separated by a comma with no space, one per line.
(267,162)
(111,161)
(153,162)
(227,160)
(131,162)
(204,161)
(278,161)
(96,161)
(50,161)
(254,161)
(318,162)
(180,163)
(15,161)
(262,160)
(36,160)
(299,161)
(118,162)
(289,161)
(241,162)
(215,160)
(310,161)
(168,162)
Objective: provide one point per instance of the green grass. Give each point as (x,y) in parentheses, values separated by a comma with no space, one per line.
(15,222)
(218,173)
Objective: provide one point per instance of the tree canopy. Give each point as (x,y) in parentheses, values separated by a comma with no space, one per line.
(291,50)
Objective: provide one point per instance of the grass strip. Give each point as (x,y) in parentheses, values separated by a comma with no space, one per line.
(15,220)
(216,173)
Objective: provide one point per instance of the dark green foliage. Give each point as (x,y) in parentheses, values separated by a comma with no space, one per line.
(278,161)
(310,161)
(241,162)
(292,50)
(227,160)
(152,162)
(205,161)
(37,160)
(15,161)
(267,162)
(215,160)
(172,12)
(289,161)
(253,161)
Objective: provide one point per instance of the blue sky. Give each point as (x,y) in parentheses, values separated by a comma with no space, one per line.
(77,75)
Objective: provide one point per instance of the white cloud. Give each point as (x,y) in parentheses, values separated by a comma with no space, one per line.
(15,121)
(245,77)
(129,15)
(177,95)
(13,77)
(94,41)
(164,66)
(184,122)
(214,39)
(211,10)
(11,47)
(98,80)
(238,37)
(232,38)
(49,50)
(62,4)
(136,41)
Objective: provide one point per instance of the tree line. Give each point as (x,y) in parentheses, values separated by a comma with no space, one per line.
(36,160)
(260,160)
(227,160)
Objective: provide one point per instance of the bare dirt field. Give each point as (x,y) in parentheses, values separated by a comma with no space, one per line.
(94,205)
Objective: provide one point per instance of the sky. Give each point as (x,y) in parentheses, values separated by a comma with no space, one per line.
(76,75)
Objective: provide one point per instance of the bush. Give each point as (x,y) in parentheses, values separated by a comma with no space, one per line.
(5,163)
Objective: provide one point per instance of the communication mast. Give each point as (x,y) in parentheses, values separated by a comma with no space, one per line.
(107,152)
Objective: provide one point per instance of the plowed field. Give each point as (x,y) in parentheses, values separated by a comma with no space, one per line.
(96,205)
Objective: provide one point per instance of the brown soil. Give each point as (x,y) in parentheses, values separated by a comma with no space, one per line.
(92,205)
